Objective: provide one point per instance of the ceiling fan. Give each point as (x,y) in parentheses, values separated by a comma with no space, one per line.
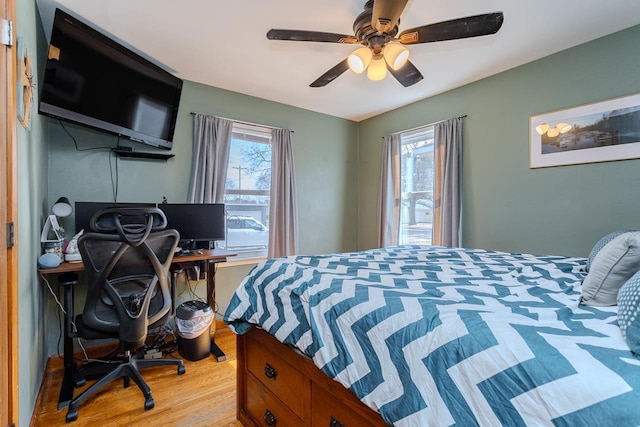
(376,29)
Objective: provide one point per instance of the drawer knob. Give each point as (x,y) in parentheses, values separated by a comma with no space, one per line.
(270,371)
(269,418)
(335,423)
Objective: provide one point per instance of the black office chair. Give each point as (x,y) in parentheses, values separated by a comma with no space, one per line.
(127,262)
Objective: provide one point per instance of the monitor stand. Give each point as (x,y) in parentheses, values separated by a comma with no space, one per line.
(194,245)
(203,244)
(188,245)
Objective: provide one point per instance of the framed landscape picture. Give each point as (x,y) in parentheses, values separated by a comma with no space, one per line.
(599,132)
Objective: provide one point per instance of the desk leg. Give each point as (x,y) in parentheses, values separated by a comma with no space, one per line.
(67,281)
(174,284)
(211,298)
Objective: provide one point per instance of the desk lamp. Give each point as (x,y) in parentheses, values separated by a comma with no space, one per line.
(61,208)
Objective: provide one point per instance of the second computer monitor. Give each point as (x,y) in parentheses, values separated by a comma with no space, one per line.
(85,210)
(196,222)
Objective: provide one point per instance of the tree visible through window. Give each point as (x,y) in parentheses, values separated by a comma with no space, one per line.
(247,191)
(416,214)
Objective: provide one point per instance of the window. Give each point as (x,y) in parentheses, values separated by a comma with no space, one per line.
(247,191)
(416,214)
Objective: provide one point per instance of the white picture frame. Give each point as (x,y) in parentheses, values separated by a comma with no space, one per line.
(599,132)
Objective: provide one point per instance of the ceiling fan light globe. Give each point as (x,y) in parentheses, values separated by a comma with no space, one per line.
(359,60)
(377,70)
(396,55)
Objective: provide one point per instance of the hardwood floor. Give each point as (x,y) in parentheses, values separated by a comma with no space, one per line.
(204,396)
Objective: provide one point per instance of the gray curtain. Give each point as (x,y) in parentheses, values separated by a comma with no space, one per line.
(389,196)
(211,144)
(283,215)
(447,183)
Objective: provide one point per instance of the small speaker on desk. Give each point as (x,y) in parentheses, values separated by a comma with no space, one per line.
(48,260)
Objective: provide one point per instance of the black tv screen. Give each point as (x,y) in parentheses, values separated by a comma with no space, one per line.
(92,80)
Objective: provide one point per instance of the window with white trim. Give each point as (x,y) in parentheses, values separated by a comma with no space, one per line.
(247,191)
(417,163)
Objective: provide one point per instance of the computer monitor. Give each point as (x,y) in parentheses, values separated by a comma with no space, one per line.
(196,222)
(85,210)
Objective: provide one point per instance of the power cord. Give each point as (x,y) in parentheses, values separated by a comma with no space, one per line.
(158,342)
(114,181)
(73,324)
(55,297)
(75,142)
(190,288)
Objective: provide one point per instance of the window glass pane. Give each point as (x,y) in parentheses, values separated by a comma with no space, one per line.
(416,215)
(247,191)
(234,222)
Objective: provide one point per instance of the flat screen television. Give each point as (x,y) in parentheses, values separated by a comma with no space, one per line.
(92,80)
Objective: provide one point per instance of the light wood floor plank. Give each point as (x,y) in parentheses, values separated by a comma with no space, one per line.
(204,396)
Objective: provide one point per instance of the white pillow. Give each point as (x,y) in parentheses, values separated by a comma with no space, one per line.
(602,243)
(612,266)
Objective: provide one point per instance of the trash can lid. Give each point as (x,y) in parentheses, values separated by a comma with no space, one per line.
(190,309)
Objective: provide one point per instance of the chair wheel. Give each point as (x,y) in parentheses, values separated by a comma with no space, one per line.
(80,381)
(72,415)
(181,369)
(149,403)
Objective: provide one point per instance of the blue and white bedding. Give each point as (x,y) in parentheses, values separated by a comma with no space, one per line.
(431,336)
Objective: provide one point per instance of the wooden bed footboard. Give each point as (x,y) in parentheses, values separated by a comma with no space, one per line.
(279,387)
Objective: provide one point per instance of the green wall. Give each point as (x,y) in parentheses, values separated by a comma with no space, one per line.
(506,205)
(325,151)
(32,195)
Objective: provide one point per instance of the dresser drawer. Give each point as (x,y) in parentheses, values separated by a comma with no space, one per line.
(328,410)
(285,382)
(265,409)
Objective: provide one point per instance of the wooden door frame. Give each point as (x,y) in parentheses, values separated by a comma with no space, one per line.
(8,214)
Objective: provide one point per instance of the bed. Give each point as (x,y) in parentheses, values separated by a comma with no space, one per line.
(430,336)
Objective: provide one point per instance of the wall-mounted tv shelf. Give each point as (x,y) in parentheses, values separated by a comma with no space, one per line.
(141,155)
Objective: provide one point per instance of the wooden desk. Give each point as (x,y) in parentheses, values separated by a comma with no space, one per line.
(216,255)
(210,257)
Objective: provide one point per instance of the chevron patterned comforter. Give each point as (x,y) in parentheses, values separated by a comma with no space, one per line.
(432,336)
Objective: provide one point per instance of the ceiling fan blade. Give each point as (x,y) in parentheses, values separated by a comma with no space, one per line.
(331,75)
(471,26)
(310,36)
(407,75)
(386,14)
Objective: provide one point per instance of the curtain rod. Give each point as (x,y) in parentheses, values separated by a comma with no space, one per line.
(424,126)
(243,122)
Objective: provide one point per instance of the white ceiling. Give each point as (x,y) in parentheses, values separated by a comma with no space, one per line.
(223,44)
